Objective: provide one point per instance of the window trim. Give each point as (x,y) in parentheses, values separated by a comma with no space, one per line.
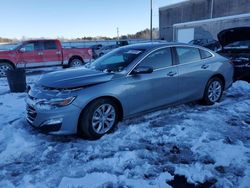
(175,62)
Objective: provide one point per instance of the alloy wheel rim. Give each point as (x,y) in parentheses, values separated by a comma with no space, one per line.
(214,91)
(103,118)
(3,69)
(76,63)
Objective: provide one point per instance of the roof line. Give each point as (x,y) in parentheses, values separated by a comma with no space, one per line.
(173,5)
(213,19)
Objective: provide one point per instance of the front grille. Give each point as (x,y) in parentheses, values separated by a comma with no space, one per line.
(31,114)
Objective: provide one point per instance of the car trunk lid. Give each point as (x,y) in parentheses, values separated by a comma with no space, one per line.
(231,35)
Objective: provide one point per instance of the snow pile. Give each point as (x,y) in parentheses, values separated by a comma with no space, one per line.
(108,180)
(208,145)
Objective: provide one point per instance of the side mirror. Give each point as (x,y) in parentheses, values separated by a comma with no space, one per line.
(22,50)
(142,70)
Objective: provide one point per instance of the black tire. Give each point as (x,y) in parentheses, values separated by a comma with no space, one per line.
(207,97)
(76,62)
(4,67)
(86,128)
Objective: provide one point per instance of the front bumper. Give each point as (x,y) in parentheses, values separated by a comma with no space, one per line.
(59,121)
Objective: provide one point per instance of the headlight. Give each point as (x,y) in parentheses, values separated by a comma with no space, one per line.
(57,102)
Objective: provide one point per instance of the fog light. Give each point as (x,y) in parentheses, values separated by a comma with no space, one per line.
(53,121)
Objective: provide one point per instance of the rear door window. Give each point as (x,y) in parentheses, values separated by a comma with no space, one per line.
(159,59)
(188,54)
(50,45)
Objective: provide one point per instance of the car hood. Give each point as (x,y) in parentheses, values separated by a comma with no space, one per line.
(228,36)
(74,78)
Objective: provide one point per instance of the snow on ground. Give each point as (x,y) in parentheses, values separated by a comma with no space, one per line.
(209,145)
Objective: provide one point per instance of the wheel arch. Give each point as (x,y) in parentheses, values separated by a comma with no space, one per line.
(117,101)
(221,77)
(75,57)
(8,61)
(204,97)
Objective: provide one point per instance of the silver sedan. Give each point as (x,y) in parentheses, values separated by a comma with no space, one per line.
(126,82)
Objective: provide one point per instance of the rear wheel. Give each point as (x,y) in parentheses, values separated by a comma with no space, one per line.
(76,62)
(213,91)
(5,67)
(99,118)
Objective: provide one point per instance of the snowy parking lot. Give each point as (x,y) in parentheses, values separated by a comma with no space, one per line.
(187,145)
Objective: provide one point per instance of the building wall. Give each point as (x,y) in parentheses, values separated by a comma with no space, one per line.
(195,10)
(210,28)
(230,7)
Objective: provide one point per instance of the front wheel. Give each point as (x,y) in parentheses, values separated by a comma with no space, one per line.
(5,67)
(99,118)
(213,91)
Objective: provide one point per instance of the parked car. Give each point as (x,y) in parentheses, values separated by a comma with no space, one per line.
(207,43)
(96,50)
(126,82)
(40,53)
(235,44)
(106,49)
(122,42)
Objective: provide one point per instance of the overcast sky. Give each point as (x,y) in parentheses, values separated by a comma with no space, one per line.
(76,18)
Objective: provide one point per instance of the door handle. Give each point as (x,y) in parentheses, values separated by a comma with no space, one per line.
(40,53)
(171,73)
(58,53)
(204,66)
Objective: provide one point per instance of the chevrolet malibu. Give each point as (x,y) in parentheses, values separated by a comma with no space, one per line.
(126,82)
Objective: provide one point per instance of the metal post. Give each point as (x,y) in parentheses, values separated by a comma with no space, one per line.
(118,37)
(151,20)
(212,9)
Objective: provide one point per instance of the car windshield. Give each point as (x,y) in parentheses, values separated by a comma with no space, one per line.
(116,60)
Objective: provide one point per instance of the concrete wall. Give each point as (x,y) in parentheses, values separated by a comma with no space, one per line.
(194,10)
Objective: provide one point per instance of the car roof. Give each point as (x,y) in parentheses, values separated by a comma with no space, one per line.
(152,45)
(40,40)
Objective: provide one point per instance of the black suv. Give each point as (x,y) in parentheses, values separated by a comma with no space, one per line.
(207,43)
(235,43)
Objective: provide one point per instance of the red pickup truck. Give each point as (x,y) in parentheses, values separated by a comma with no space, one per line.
(41,53)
